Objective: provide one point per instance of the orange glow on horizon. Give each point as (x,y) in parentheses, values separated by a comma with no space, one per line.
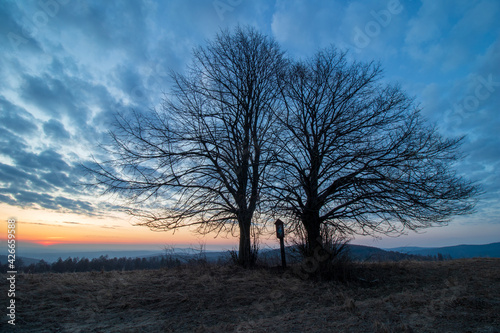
(47,243)
(49,234)
(52,229)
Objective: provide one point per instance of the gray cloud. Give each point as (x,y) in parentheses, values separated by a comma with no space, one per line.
(26,198)
(15,36)
(13,179)
(55,130)
(435,38)
(49,94)
(35,176)
(300,26)
(7,199)
(15,118)
(77,206)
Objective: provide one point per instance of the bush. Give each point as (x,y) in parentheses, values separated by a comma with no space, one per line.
(254,256)
(329,260)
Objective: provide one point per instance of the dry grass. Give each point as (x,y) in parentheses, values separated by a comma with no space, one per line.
(452,296)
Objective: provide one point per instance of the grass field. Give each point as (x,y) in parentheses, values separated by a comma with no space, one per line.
(449,296)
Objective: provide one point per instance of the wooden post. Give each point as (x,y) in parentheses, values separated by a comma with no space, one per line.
(280,233)
(283,259)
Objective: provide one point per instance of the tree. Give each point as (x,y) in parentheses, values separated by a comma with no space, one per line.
(205,154)
(358,157)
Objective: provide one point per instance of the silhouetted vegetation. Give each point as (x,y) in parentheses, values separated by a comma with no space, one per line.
(357,157)
(103,263)
(338,255)
(323,143)
(205,154)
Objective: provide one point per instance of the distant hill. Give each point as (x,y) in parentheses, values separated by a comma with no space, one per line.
(23,260)
(54,256)
(456,252)
(368,253)
(356,252)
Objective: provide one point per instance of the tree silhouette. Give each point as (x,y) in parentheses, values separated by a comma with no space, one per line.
(357,156)
(204,155)
(330,143)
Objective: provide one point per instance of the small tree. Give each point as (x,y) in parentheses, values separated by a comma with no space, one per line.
(204,156)
(357,155)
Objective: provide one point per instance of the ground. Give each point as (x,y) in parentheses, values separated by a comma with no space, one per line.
(449,296)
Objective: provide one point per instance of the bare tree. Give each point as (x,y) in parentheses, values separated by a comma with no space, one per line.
(204,155)
(358,157)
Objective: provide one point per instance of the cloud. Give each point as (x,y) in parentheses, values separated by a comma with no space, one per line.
(60,180)
(108,227)
(47,160)
(34,177)
(53,95)
(15,36)
(369,29)
(55,130)
(25,198)
(111,25)
(16,119)
(75,206)
(13,179)
(7,199)
(447,34)
(300,25)
(36,199)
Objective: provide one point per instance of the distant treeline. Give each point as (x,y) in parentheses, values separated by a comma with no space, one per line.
(382,256)
(103,263)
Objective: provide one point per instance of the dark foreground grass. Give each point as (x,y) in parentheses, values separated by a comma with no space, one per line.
(451,296)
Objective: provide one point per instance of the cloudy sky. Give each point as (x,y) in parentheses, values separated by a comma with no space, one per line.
(67,66)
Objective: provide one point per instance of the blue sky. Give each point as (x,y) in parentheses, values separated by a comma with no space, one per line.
(67,66)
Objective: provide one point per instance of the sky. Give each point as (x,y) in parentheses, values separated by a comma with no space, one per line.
(67,66)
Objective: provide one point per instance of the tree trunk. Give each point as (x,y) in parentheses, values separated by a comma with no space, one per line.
(245,253)
(312,225)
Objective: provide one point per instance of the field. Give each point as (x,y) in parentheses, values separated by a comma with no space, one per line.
(450,296)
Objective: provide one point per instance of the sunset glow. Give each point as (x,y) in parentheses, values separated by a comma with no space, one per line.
(88,231)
